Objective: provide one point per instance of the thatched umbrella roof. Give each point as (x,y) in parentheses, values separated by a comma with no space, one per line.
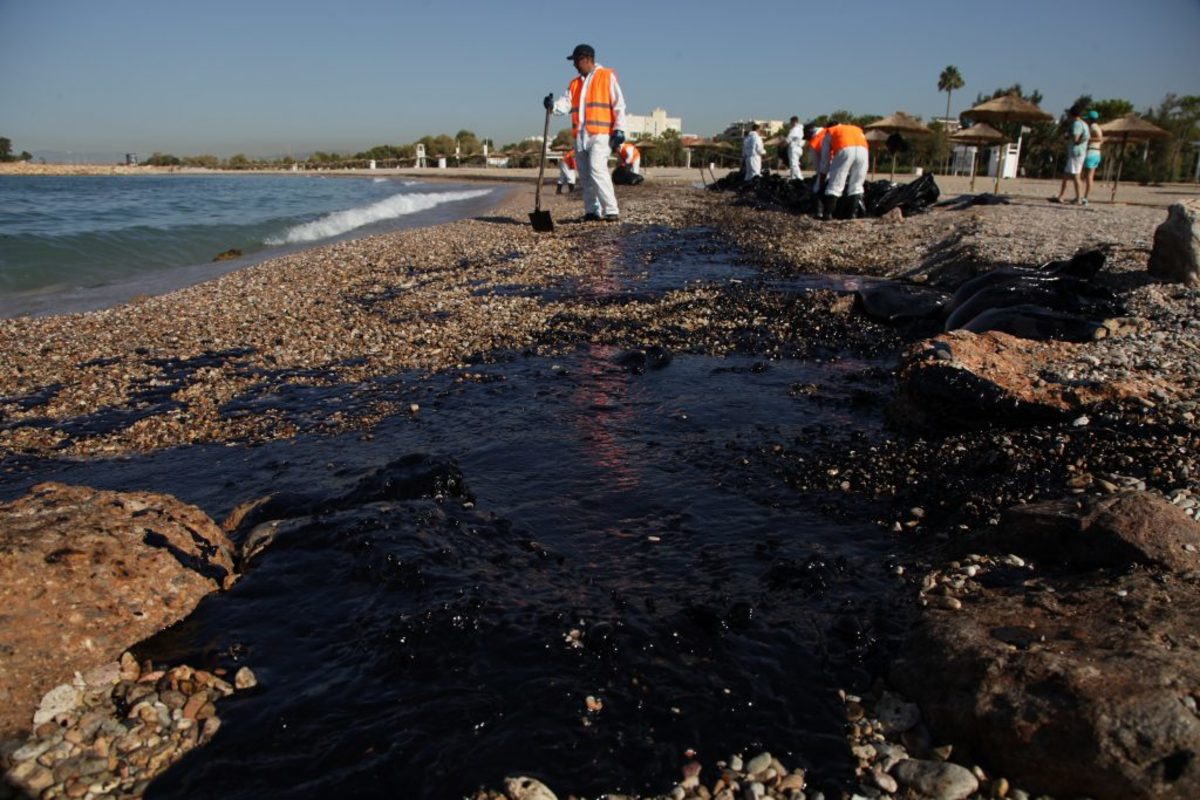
(899,123)
(1133,128)
(1002,110)
(1008,108)
(979,133)
(1130,128)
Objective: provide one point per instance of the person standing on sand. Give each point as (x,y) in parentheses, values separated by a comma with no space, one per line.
(752,153)
(1092,159)
(566,172)
(1077,141)
(597,108)
(795,148)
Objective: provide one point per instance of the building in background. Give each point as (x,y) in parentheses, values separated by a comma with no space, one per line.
(950,124)
(655,124)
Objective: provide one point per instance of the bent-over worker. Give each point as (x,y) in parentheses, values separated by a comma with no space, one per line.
(630,157)
(566,172)
(844,149)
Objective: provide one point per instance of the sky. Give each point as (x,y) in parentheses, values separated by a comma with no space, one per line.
(269,77)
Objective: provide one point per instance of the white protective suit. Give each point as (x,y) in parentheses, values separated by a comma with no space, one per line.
(818,165)
(592,150)
(566,175)
(752,154)
(795,147)
(847,171)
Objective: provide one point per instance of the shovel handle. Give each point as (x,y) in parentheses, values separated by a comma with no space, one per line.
(537,198)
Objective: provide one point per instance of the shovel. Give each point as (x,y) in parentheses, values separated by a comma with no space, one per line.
(541,219)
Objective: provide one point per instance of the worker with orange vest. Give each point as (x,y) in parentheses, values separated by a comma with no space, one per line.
(566,172)
(844,150)
(597,108)
(630,158)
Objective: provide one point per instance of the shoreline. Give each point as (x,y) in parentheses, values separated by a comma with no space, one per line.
(44,303)
(432,299)
(1129,194)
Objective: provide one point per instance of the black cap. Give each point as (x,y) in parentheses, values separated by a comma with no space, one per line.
(580,51)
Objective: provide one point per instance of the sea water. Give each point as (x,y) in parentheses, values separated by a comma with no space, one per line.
(71,243)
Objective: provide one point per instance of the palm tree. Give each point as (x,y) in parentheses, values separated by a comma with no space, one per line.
(950,80)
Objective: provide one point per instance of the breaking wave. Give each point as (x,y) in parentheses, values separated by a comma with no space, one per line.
(340,222)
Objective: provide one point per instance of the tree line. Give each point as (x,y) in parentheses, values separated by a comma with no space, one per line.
(6,153)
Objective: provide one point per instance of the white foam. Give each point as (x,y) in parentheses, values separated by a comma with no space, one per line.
(399,205)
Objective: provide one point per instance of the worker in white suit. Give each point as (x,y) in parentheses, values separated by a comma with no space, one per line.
(597,108)
(752,154)
(795,148)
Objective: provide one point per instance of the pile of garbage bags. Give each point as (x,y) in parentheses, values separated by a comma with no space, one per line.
(880,197)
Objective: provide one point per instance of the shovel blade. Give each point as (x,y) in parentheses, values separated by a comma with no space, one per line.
(541,221)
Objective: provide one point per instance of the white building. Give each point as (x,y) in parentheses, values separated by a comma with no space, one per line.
(655,124)
(766,128)
(950,124)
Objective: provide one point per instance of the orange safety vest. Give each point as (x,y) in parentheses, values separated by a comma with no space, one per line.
(818,137)
(598,105)
(844,136)
(569,159)
(629,154)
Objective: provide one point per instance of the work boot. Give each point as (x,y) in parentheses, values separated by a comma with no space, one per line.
(858,209)
(570,188)
(558,188)
(828,202)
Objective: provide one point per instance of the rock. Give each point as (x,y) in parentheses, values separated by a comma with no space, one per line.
(757,764)
(60,700)
(1176,253)
(228,255)
(795,781)
(963,380)
(939,780)
(244,679)
(523,788)
(1075,692)
(1116,530)
(884,781)
(86,573)
(896,715)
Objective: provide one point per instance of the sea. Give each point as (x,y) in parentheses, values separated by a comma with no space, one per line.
(79,243)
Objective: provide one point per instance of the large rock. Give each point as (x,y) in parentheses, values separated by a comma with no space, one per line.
(1084,684)
(1176,254)
(84,574)
(966,380)
(1099,532)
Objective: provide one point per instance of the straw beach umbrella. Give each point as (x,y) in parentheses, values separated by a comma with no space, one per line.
(710,148)
(1003,110)
(900,123)
(1130,128)
(978,134)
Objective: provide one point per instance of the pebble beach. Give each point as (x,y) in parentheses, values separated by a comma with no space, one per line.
(162,372)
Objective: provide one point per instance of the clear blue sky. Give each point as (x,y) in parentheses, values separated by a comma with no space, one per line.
(266,77)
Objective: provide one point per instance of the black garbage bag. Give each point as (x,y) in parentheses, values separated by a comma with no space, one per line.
(911,198)
(624,176)
(731,182)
